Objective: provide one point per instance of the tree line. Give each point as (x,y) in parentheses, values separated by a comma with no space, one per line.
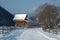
(48,15)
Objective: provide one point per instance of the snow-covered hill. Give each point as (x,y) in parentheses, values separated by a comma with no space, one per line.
(30,34)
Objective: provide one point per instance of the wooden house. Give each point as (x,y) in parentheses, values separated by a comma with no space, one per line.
(21,20)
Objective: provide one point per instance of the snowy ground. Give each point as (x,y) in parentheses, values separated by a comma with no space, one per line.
(29,34)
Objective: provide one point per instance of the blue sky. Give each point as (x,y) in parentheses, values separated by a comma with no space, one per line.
(25,6)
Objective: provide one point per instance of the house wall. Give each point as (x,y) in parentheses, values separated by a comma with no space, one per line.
(22,23)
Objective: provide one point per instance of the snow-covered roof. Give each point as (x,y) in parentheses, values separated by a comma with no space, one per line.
(20,17)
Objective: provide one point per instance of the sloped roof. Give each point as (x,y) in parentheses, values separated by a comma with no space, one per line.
(20,16)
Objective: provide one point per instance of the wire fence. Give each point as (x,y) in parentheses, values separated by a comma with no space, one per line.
(55,30)
(7,29)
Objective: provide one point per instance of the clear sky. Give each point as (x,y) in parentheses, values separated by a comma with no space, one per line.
(24,6)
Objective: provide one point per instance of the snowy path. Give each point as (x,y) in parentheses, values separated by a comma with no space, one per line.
(34,34)
(30,34)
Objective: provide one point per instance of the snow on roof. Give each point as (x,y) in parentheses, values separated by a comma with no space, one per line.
(20,17)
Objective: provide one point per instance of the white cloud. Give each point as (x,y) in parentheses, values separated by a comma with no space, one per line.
(32,9)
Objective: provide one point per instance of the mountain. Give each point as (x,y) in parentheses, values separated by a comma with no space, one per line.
(58,8)
(6,18)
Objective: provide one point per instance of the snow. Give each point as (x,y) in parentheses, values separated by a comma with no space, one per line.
(20,17)
(30,34)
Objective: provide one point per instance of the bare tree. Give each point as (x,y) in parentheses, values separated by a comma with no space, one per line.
(47,15)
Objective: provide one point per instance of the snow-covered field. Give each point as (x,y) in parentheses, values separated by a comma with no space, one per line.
(29,34)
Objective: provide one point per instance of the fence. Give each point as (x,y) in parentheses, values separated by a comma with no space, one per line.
(6,29)
(55,30)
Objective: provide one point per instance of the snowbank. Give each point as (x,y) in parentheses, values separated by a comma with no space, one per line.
(30,34)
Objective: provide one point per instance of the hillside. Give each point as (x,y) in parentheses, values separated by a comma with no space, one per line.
(6,18)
